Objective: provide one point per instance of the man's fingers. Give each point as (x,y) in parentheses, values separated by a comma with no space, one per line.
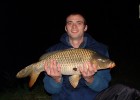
(90,67)
(59,67)
(47,69)
(95,67)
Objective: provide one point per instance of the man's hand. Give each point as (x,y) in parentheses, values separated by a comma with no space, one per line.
(54,70)
(88,70)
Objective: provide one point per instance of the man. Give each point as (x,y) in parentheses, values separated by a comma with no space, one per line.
(92,81)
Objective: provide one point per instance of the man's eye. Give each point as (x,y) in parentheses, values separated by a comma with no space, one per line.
(69,23)
(80,23)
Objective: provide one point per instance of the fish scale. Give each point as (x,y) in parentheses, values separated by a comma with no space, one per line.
(70,60)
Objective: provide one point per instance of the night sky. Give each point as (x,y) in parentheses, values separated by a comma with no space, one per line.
(28,28)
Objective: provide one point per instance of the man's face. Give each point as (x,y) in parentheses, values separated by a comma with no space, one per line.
(75,26)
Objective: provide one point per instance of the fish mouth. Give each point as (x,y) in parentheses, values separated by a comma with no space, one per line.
(111,65)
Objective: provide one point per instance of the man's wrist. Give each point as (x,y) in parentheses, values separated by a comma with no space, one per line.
(89,80)
(58,80)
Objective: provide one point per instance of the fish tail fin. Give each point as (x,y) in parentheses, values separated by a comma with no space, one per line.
(25,72)
(33,78)
(32,71)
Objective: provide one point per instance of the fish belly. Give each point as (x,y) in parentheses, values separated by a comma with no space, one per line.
(70,69)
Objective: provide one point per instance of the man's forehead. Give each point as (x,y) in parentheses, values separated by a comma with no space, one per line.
(75,18)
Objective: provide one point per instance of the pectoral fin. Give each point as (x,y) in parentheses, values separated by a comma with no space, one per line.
(74,80)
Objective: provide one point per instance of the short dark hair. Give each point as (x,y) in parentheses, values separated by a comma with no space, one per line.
(77,13)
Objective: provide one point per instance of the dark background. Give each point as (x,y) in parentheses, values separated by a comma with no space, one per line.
(28,28)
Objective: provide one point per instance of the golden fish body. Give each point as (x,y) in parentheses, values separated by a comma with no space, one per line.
(70,60)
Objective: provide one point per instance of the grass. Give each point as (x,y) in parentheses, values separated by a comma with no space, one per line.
(20,93)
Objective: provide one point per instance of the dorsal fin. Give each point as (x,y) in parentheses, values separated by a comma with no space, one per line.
(45,55)
(50,53)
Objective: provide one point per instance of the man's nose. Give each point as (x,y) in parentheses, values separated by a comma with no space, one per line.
(74,26)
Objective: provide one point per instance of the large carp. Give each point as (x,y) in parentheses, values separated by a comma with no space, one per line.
(70,60)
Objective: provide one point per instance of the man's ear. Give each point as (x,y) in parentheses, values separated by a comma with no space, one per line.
(86,27)
(65,28)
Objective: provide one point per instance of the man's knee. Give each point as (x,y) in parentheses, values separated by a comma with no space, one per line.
(119,92)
